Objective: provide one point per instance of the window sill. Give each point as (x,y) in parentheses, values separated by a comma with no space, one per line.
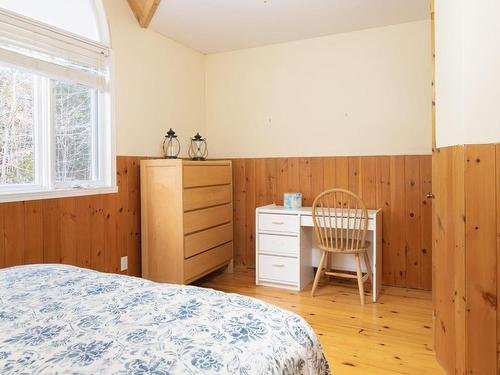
(58,193)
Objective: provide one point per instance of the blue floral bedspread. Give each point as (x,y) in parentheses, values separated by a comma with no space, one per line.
(64,319)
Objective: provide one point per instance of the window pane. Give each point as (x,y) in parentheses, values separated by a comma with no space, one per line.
(73,127)
(17,148)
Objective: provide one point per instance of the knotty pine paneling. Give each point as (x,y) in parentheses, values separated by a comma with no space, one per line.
(498,250)
(466,264)
(449,258)
(481,258)
(397,184)
(90,231)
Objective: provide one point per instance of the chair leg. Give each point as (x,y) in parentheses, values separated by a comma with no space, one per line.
(368,267)
(318,273)
(360,280)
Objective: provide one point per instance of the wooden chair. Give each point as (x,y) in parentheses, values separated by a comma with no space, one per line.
(330,211)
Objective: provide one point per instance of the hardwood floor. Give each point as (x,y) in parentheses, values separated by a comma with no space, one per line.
(393,336)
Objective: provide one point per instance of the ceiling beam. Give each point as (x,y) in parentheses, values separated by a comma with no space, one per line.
(144,10)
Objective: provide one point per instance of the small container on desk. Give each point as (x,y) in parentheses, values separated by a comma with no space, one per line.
(292,200)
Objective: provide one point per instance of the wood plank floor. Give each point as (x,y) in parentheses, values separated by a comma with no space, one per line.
(393,336)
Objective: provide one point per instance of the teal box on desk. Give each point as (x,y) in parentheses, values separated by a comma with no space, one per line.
(292,200)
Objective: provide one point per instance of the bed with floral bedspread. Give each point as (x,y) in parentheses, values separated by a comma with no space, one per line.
(64,319)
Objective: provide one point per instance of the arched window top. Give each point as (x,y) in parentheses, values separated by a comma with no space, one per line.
(81,17)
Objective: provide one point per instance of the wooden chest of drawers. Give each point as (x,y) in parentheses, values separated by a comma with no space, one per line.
(186,219)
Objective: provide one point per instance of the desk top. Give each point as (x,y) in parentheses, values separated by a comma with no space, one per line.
(274,209)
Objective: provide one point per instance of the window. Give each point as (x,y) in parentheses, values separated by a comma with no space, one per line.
(55,112)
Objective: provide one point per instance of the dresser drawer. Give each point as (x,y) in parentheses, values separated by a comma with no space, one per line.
(278,269)
(206,239)
(278,244)
(204,197)
(279,223)
(201,175)
(206,218)
(208,261)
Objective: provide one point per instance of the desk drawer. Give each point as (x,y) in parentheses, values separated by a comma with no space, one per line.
(279,244)
(307,221)
(279,223)
(279,269)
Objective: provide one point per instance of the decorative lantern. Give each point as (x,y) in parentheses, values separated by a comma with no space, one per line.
(171,145)
(198,149)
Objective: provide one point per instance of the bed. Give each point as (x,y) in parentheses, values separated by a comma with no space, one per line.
(62,319)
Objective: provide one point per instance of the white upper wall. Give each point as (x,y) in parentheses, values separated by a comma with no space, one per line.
(467,72)
(159,84)
(361,93)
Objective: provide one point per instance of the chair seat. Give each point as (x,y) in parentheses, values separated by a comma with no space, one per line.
(346,249)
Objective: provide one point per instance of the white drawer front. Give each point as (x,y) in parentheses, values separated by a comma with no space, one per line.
(279,244)
(279,223)
(279,269)
(307,221)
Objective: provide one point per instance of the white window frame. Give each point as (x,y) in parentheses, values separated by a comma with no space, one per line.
(44,185)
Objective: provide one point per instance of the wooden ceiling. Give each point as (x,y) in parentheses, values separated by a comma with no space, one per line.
(144,10)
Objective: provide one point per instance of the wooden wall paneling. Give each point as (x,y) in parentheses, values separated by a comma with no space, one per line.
(96,232)
(304,185)
(354,168)
(51,231)
(112,256)
(398,219)
(83,240)
(449,258)
(239,210)
(293,181)
(88,231)
(281,178)
(69,231)
(122,221)
(481,266)
(412,225)
(329,174)
(383,200)
(317,177)
(368,189)
(97,257)
(443,288)
(271,180)
(342,172)
(426,222)
(2,237)
(498,248)
(497,171)
(33,232)
(249,253)
(262,192)
(14,233)
(134,217)
(456,253)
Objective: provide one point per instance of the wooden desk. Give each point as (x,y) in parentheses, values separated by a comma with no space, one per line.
(286,248)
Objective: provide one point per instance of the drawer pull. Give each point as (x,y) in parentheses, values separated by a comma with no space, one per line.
(278,222)
(279,265)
